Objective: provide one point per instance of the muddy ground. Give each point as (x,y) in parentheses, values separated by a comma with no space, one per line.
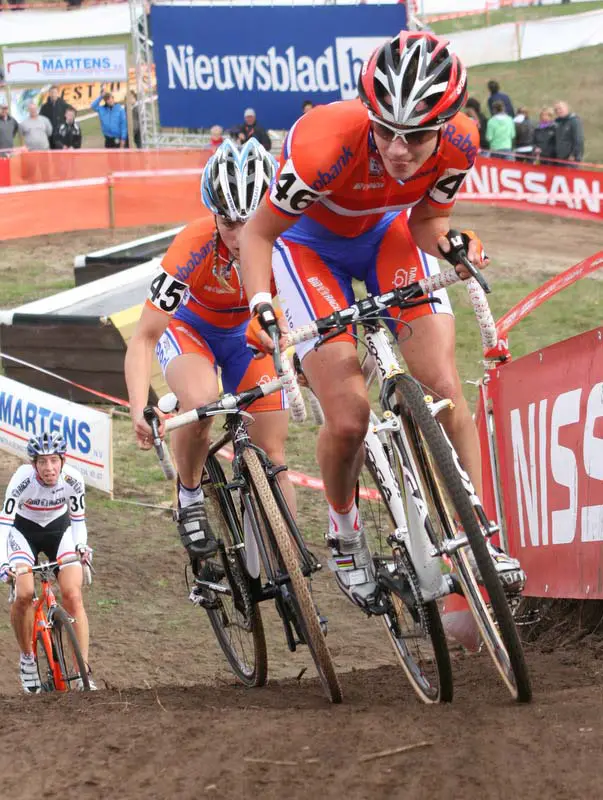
(170,722)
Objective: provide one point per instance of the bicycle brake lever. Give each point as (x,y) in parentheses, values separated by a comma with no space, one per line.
(474,271)
(153,422)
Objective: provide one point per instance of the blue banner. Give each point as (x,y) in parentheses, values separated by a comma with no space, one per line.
(212,62)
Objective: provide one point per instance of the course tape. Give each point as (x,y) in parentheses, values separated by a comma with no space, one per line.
(297,478)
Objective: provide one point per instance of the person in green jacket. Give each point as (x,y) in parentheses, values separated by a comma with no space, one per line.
(500,131)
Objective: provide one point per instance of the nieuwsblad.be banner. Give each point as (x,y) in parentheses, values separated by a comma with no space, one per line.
(25,411)
(214,62)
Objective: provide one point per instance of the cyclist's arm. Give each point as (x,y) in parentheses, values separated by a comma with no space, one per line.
(9,510)
(139,357)
(257,240)
(76,499)
(427,224)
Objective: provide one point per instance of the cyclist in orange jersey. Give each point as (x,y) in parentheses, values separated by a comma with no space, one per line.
(195,318)
(365,190)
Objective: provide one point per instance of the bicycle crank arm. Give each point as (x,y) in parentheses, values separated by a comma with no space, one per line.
(215,587)
(450,546)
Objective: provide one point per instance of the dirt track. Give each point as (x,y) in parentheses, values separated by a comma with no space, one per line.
(172,724)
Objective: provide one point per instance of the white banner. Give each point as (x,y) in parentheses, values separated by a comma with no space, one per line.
(25,411)
(40,65)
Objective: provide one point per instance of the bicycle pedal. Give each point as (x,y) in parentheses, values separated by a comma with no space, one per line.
(198,599)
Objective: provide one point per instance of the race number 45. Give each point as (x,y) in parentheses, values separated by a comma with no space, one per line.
(166,293)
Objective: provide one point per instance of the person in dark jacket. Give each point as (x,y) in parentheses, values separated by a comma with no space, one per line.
(545,134)
(524,133)
(69,136)
(496,94)
(54,110)
(9,128)
(250,129)
(480,118)
(569,134)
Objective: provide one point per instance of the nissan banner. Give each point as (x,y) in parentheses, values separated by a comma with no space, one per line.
(213,62)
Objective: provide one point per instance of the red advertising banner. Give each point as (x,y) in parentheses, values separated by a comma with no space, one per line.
(548,410)
(564,191)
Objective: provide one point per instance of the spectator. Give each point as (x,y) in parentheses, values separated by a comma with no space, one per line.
(54,110)
(8,129)
(216,137)
(524,132)
(545,135)
(135,119)
(474,105)
(569,134)
(307,105)
(112,115)
(69,136)
(500,130)
(496,94)
(250,129)
(35,130)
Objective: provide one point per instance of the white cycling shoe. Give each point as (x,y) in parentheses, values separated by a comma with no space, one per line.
(353,566)
(30,679)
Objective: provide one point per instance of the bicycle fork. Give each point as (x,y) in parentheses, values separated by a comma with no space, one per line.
(410,531)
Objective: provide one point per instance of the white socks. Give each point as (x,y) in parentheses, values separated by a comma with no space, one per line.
(346,526)
(186,496)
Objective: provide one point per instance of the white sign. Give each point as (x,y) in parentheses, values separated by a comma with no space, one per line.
(25,412)
(65,65)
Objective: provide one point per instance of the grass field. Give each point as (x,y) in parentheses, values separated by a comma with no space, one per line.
(472,21)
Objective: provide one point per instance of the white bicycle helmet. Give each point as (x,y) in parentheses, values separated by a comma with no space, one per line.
(234,181)
(47,444)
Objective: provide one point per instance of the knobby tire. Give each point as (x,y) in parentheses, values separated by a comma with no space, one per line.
(255,673)
(434,445)
(68,650)
(298,585)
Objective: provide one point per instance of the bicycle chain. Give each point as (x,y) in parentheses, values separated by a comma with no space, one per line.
(415,587)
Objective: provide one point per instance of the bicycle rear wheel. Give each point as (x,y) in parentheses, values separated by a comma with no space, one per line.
(414,626)
(307,617)
(233,615)
(447,486)
(68,653)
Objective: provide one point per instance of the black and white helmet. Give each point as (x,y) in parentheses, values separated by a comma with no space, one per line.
(234,181)
(46,444)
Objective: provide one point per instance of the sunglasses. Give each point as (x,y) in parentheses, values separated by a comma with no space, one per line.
(410,136)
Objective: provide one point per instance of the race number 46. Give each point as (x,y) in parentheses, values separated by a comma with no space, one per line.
(290,192)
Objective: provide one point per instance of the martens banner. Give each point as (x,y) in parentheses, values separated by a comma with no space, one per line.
(214,62)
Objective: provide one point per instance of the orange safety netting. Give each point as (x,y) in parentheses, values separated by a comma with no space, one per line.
(67,165)
(122,200)
(54,208)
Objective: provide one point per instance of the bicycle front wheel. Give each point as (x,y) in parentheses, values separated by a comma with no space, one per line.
(452,501)
(414,626)
(304,605)
(233,615)
(68,653)
(45,658)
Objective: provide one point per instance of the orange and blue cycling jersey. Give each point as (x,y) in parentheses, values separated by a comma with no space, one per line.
(331,171)
(209,310)
(351,216)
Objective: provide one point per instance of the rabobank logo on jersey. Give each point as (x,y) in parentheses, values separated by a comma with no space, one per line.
(214,62)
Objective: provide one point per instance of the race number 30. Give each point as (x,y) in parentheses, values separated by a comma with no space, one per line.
(166,293)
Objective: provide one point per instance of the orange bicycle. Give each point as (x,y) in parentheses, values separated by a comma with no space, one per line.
(61,666)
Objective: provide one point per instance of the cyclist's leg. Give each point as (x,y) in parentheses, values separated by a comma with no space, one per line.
(20,554)
(429,353)
(309,290)
(429,348)
(70,578)
(271,419)
(188,365)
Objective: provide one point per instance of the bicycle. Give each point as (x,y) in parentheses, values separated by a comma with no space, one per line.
(261,553)
(431,505)
(61,666)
